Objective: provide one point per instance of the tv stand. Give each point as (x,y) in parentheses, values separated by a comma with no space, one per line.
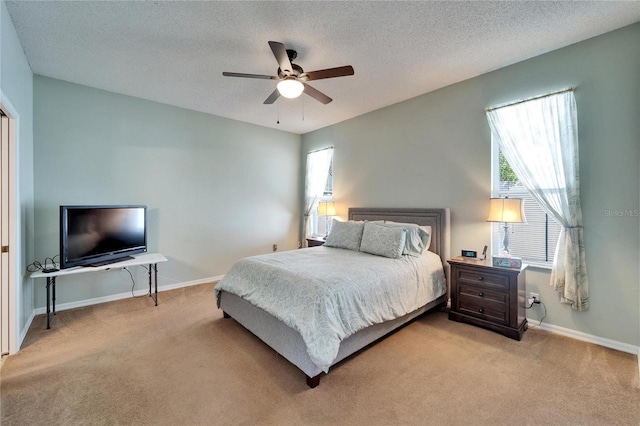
(110,261)
(151,259)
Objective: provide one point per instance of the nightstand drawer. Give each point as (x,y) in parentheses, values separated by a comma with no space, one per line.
(483,293)
(495,312)
(486,280)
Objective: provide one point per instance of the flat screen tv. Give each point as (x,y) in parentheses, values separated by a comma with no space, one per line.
(99,235)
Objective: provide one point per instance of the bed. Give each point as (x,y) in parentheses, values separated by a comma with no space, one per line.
(309,344)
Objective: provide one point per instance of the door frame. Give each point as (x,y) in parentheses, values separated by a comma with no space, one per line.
(14,248)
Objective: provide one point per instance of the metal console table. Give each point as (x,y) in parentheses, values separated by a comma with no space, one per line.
(151,259)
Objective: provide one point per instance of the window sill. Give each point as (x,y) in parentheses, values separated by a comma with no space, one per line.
(539,265)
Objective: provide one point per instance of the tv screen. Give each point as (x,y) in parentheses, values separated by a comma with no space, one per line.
(98,235)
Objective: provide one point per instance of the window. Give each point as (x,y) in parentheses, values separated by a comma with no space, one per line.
(534,241)
(318,187)
(320,223)
(539,137)
(328,188)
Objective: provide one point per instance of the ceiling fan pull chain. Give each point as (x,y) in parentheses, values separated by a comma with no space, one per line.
(278,114)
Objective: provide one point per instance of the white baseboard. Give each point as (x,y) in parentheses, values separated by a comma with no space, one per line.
(120,296)
(23,333)
(27,325)
(578,335)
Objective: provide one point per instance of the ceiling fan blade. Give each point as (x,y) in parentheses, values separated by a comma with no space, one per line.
(239,74)
(272,97)
(316,94)
(280,52)
(330,73)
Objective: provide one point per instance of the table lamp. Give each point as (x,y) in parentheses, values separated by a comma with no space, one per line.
(506,210)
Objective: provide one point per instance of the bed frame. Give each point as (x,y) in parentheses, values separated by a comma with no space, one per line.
(288,342)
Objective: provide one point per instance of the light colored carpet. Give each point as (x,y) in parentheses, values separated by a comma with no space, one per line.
(181,363)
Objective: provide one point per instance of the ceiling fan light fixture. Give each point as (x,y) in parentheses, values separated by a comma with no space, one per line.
(290,88)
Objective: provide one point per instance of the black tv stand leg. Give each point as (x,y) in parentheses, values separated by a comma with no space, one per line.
(153,268)
(51,286)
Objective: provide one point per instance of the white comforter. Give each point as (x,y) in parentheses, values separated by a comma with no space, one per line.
(328,294)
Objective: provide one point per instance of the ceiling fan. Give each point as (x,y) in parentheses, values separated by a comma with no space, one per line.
(292,80)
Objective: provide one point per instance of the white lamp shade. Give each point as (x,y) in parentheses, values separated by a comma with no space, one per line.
(508,210)
(327,208)
(290,88)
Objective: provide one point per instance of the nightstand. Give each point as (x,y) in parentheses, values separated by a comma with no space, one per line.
(315,241)
(488,296)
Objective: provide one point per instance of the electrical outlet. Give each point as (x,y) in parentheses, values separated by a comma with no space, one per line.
(535,297)
(275,247)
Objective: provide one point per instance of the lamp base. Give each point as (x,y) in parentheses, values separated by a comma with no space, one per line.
(507,262)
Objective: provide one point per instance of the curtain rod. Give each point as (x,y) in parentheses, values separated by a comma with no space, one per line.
(569,89)
(318,150)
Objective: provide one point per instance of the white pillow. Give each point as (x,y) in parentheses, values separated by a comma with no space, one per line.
(427,229)
(418,237)
(383,240)
(345,235)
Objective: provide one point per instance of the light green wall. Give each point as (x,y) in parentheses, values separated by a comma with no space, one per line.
(434,151)
(216,189)
(16,86)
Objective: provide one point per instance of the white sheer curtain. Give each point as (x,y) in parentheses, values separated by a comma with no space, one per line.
(318,163)
(539,139)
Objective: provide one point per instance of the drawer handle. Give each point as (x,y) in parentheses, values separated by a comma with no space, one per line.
(481,310)
(481,294)
(480,278)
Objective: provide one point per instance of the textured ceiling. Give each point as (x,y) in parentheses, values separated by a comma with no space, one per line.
(175,52)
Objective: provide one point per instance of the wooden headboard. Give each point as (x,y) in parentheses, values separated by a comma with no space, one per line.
(438,219)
